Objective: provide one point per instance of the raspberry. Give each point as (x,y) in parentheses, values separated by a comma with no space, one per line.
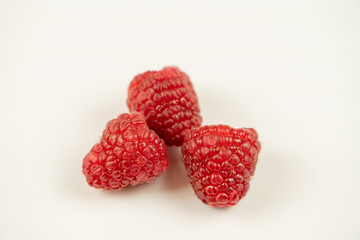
(168,101)
(219,161)
(128,153)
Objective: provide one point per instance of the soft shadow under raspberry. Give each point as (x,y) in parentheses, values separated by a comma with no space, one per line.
(175,176)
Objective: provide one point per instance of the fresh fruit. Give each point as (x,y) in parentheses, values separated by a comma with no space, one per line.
(168,101)
(128,153)
(220,161)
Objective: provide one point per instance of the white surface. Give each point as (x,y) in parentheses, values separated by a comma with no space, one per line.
(290,69)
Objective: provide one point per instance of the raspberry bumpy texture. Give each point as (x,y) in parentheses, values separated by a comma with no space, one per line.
(220,161)
(128,153)
(168,101)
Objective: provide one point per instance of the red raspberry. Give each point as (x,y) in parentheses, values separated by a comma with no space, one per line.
(168,101)
(220,161)
(128,153)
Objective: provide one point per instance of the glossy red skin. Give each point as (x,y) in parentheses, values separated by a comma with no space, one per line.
(220,161)
(168,101)
(129,153)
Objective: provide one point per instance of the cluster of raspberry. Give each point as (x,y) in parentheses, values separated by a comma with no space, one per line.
(164,110)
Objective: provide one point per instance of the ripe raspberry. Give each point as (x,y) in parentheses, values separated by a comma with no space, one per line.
(128,153)
(168,101)
(220,161)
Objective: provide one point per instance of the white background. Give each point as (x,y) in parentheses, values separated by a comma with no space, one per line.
(289,69)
